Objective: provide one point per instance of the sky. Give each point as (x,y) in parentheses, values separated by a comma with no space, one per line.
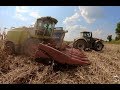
(101,20)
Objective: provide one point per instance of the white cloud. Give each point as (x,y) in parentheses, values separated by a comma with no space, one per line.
(85,15)
(33,23)
(35,14)
(75,10)
(73,32)
(70,20)
(24,12)
(73,28)
(91,13)
(97,33)
(20,17)
(21,9)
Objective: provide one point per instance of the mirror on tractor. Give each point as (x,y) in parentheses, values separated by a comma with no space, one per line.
(86,34)
(45,25)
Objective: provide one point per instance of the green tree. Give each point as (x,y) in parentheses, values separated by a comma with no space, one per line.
(109,38)
(117,31)
(118,28)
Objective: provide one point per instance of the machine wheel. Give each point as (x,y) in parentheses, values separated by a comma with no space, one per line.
(98,46)
(81,44)
(9,47)
(30,46)
(74,44)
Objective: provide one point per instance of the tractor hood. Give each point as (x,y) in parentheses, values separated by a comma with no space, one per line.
(98,39)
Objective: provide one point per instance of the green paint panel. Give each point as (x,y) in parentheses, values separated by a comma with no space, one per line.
(18,35)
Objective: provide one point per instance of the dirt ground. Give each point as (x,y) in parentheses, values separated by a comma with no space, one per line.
(104,69)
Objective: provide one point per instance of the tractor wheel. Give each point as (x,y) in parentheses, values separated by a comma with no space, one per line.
(9,47)
(81,44)
(74,44)
(98,46)
(30,46)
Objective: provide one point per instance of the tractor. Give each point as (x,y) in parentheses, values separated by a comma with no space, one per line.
(87,42)
(44,40)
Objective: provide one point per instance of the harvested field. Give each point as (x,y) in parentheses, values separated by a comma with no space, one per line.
(104,69)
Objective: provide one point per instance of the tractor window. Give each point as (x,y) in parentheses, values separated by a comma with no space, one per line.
(44,28)
(40,24)
(57,36)
(48,27)
(87,35)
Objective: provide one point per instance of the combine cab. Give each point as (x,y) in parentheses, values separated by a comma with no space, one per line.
(43,41)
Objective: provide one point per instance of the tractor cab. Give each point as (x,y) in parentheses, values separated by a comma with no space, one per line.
(44,26)
(86,34)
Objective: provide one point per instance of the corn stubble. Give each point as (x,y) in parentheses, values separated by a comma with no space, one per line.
(104,69)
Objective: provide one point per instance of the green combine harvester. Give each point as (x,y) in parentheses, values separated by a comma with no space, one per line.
(43,41)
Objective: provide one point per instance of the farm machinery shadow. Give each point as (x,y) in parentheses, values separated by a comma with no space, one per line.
(57,66)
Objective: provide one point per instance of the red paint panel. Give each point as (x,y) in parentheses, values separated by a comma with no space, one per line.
(64,57)
(40,54)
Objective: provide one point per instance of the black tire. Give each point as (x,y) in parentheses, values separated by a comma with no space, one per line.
(74,44)
(9,47)
(81,44)
(98,46)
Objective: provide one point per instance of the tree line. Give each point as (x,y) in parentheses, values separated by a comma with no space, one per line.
(117,31)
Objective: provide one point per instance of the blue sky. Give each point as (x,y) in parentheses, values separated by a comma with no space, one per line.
(101,20)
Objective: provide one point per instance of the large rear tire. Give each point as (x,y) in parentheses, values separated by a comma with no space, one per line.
(9,47)
(74,44)
(98,46)
(81,44)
